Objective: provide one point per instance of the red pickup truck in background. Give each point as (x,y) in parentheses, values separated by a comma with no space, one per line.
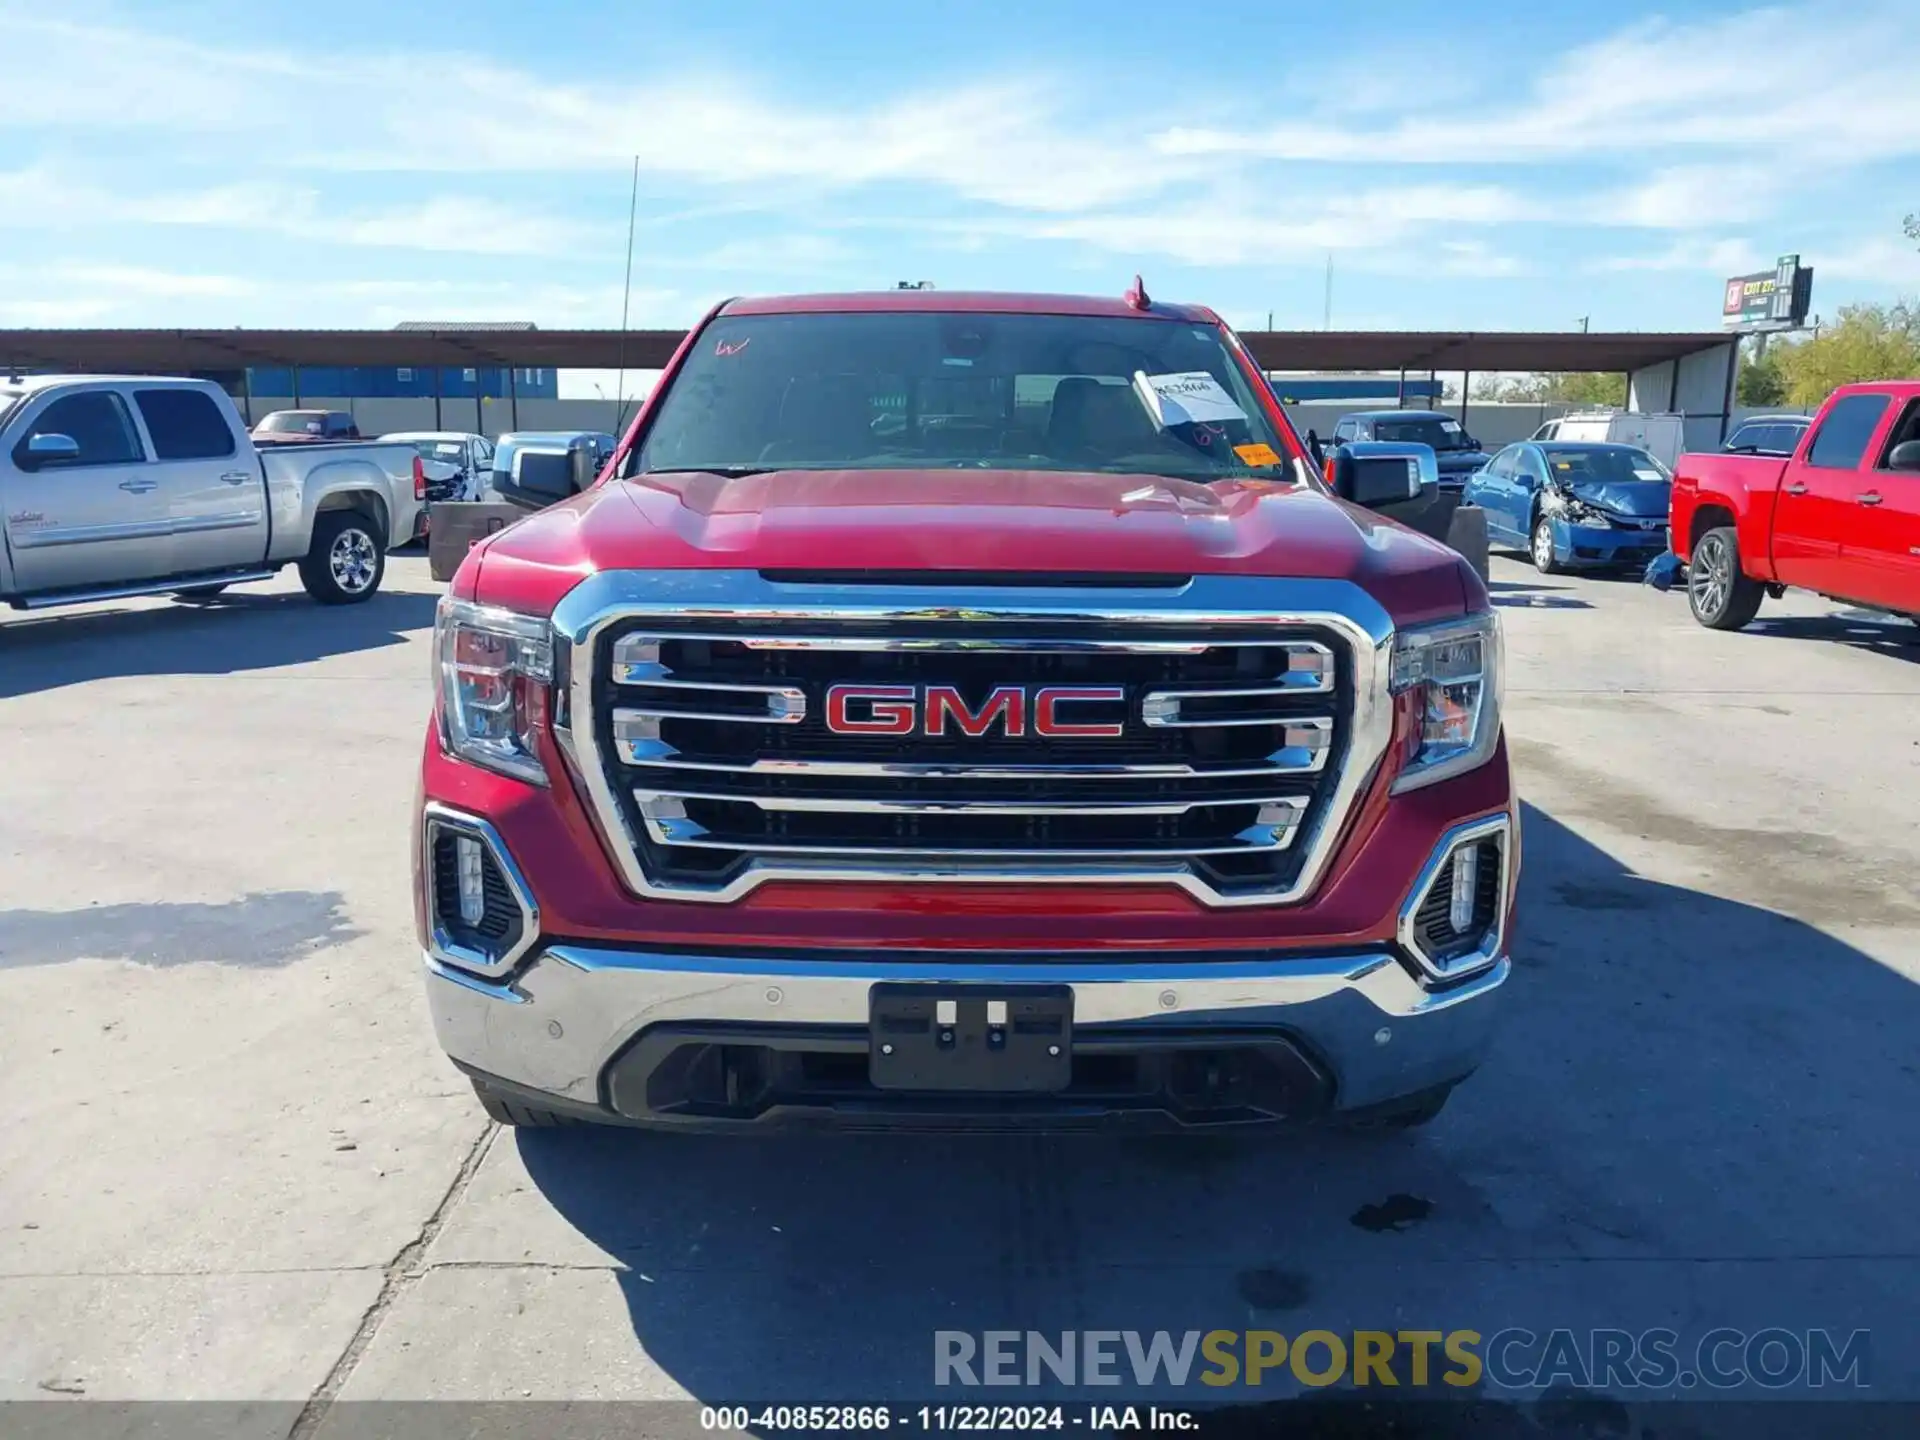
(1841,517)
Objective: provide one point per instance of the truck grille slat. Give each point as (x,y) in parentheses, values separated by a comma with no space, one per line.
(1205,750)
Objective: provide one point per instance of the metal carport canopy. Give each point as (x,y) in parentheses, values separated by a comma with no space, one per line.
(170,351)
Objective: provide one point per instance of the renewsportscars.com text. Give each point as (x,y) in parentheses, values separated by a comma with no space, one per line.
(1514,1358)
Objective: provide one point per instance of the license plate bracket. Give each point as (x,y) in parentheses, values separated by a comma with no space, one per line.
(996,1039)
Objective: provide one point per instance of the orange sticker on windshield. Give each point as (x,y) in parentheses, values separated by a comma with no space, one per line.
(1257,454)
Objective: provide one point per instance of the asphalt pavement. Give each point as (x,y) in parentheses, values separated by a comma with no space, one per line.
(234,1166)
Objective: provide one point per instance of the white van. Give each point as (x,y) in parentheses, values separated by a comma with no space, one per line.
(1662,436)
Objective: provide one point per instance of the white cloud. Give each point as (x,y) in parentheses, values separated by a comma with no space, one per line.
(1006,141)
(35,198)
(1693,197)
(55,313)
(1696,129)
(1823,83)
(1721,257)
(1894,264)
(141,281)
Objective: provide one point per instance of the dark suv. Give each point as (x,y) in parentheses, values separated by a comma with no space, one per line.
(1768,435)
(1458,453)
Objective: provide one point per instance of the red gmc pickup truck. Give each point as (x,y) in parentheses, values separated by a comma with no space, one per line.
(1840,517)
(967,710)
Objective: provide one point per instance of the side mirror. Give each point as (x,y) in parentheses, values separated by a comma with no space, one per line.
(1380,473)
(540,477)
(51,449)
(582,466)
(1904,456)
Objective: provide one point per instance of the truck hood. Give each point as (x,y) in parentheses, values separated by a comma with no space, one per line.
(1639,499)
(1032,522)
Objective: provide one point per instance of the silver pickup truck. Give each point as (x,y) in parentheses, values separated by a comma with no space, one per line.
(113,486)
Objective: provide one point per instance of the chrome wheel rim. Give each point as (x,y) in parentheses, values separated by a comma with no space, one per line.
(353,561)
(1542,547)
(1708,578)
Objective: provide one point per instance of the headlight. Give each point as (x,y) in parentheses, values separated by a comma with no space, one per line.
(492,668)
(1453,672)
(1572,509)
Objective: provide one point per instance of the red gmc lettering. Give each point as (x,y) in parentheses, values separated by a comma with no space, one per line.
(890,711)
(1008,703)
(1048,701)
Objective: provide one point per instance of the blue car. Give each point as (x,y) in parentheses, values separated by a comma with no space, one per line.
(1572,505)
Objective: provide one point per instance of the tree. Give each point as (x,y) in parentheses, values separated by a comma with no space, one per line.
(1912,226)
(1761,382)
(1867,342)
(1580,387)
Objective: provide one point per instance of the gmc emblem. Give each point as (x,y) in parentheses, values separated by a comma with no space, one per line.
(931,709)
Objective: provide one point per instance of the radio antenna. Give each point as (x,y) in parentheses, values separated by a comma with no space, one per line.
(626,297)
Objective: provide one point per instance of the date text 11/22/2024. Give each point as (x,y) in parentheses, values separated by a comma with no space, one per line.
(1094,1419)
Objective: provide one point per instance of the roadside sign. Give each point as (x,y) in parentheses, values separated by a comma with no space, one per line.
(1776,299)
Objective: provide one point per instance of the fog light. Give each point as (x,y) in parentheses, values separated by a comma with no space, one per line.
(470,863)
(1466,874)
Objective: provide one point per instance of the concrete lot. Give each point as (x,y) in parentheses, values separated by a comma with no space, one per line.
(234,1166)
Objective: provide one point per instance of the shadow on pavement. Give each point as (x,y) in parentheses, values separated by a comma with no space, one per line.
(1861,629)
(240,631)
(1698,1113)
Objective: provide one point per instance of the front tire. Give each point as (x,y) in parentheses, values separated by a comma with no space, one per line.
(1540,548)
(1721,595)
(347,560)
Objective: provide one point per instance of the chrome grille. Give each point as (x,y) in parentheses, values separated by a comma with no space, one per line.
(700,734)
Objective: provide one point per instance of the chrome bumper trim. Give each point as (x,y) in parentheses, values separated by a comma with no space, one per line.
(1506,829)
(436,817)
(556,1027)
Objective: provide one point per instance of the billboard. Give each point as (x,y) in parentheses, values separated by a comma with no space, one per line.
(1776,299)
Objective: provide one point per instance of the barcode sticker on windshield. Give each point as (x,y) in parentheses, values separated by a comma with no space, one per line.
(1184,399)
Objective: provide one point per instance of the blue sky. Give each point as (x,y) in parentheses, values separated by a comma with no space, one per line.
(245,162)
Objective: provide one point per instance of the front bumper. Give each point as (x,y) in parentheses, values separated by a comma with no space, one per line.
(730,1034)
(643,1037)
(1598,545)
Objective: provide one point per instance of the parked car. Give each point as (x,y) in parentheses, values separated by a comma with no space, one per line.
(1457,452)
(1840,516)
(304,427)
(1767,435)
(143,485)
(1093,763)
(458,465)
(1661,436)
(536,468)
(1571,505)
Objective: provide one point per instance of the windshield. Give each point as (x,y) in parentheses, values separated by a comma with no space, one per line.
(1578,464)
(448,450)
(290,422)
(1441,434)
(1032,392)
